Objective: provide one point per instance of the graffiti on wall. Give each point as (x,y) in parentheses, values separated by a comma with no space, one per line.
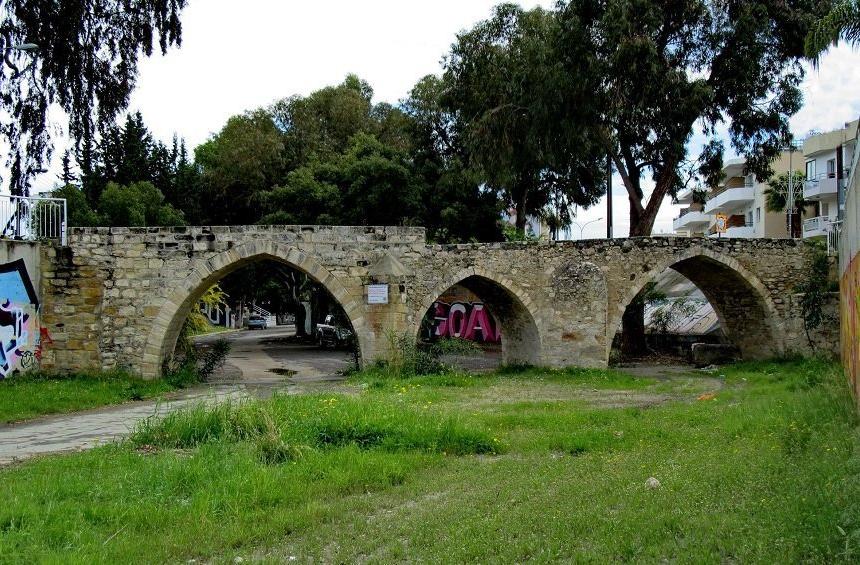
(20,335)
(464,320)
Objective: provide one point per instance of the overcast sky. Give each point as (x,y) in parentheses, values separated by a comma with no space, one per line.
(240,56)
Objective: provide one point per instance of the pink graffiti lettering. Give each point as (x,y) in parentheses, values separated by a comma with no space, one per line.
(472,322)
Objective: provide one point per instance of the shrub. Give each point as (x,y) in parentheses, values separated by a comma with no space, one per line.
(193,366)
(408,358)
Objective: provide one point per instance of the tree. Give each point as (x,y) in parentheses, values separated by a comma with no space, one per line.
(306,197)
(657,69)
(79,212)
(377,185)
(776,198)
(457,207)
(237,165)
(67,176)
(320,125)
(841,22)
(185,192)
(504,90)
(86,64)
(138,204)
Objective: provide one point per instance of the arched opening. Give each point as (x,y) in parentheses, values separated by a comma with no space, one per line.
(698,299)
(310,322)
(485,313)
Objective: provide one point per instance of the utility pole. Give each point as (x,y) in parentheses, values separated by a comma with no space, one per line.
(790,193)
(608,196)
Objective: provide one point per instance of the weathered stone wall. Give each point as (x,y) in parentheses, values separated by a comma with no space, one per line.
(119,296)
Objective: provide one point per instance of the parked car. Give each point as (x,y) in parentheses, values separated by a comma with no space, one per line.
(257,323)
(333,333)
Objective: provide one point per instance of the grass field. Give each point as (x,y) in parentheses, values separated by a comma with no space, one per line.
(755,463)
(23,397)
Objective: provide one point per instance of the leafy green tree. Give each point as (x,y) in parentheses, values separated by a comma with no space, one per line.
(78,209)
(86,64)
(67,176)
(370,184)
(320,126)
(377,183)
(138,204)
(185,191)
(660,70)
(504,89)
(238,164)
(457,206)
(128,154)
(841,22)
(305,197)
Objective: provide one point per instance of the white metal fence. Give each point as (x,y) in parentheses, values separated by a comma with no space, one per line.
(833,237)
(33,218)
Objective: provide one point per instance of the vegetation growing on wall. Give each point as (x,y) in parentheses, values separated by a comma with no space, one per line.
(815,291)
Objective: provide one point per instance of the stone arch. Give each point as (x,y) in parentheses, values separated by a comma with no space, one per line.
(750,316)
(180,298)
(513,309)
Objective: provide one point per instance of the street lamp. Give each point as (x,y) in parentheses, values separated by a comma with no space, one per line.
(22,47)
(582,227)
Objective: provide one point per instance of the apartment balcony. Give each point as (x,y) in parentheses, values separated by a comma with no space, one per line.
(817,227)
(691,220)
(745,232)
(822,186)
(730,200)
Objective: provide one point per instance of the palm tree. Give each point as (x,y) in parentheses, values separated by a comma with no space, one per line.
(842,22)
(776,198)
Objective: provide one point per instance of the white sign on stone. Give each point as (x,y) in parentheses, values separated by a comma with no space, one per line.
(377,294)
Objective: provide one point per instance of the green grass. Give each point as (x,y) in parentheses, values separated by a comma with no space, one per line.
(23,397)
(759,465)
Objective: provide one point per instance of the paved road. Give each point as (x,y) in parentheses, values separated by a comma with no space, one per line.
(247,373)
(267,356)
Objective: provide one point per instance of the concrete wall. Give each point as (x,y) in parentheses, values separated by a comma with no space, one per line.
(118,297)
(849,277)
(20,330)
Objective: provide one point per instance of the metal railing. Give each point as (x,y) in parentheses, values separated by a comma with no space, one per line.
(33,218)
(833,234)
(819,223)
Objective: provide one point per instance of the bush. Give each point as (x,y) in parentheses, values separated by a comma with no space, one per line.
(193,366)
(408,358)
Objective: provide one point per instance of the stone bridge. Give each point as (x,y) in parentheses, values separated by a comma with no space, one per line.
(119,296)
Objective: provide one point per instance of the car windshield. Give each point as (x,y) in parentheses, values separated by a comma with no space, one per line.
(256,318)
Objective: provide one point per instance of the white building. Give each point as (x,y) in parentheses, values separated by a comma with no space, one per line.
(739,197)
(828,159)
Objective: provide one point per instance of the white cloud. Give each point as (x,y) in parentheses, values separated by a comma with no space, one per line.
(235,60)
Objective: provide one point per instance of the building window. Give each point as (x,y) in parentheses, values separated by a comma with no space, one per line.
(758,215)
(749,221)
(831,168)
(825,208)
(810,170)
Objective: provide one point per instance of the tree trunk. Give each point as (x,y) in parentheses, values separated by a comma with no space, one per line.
(520,222)
(300,316)
(633,342)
